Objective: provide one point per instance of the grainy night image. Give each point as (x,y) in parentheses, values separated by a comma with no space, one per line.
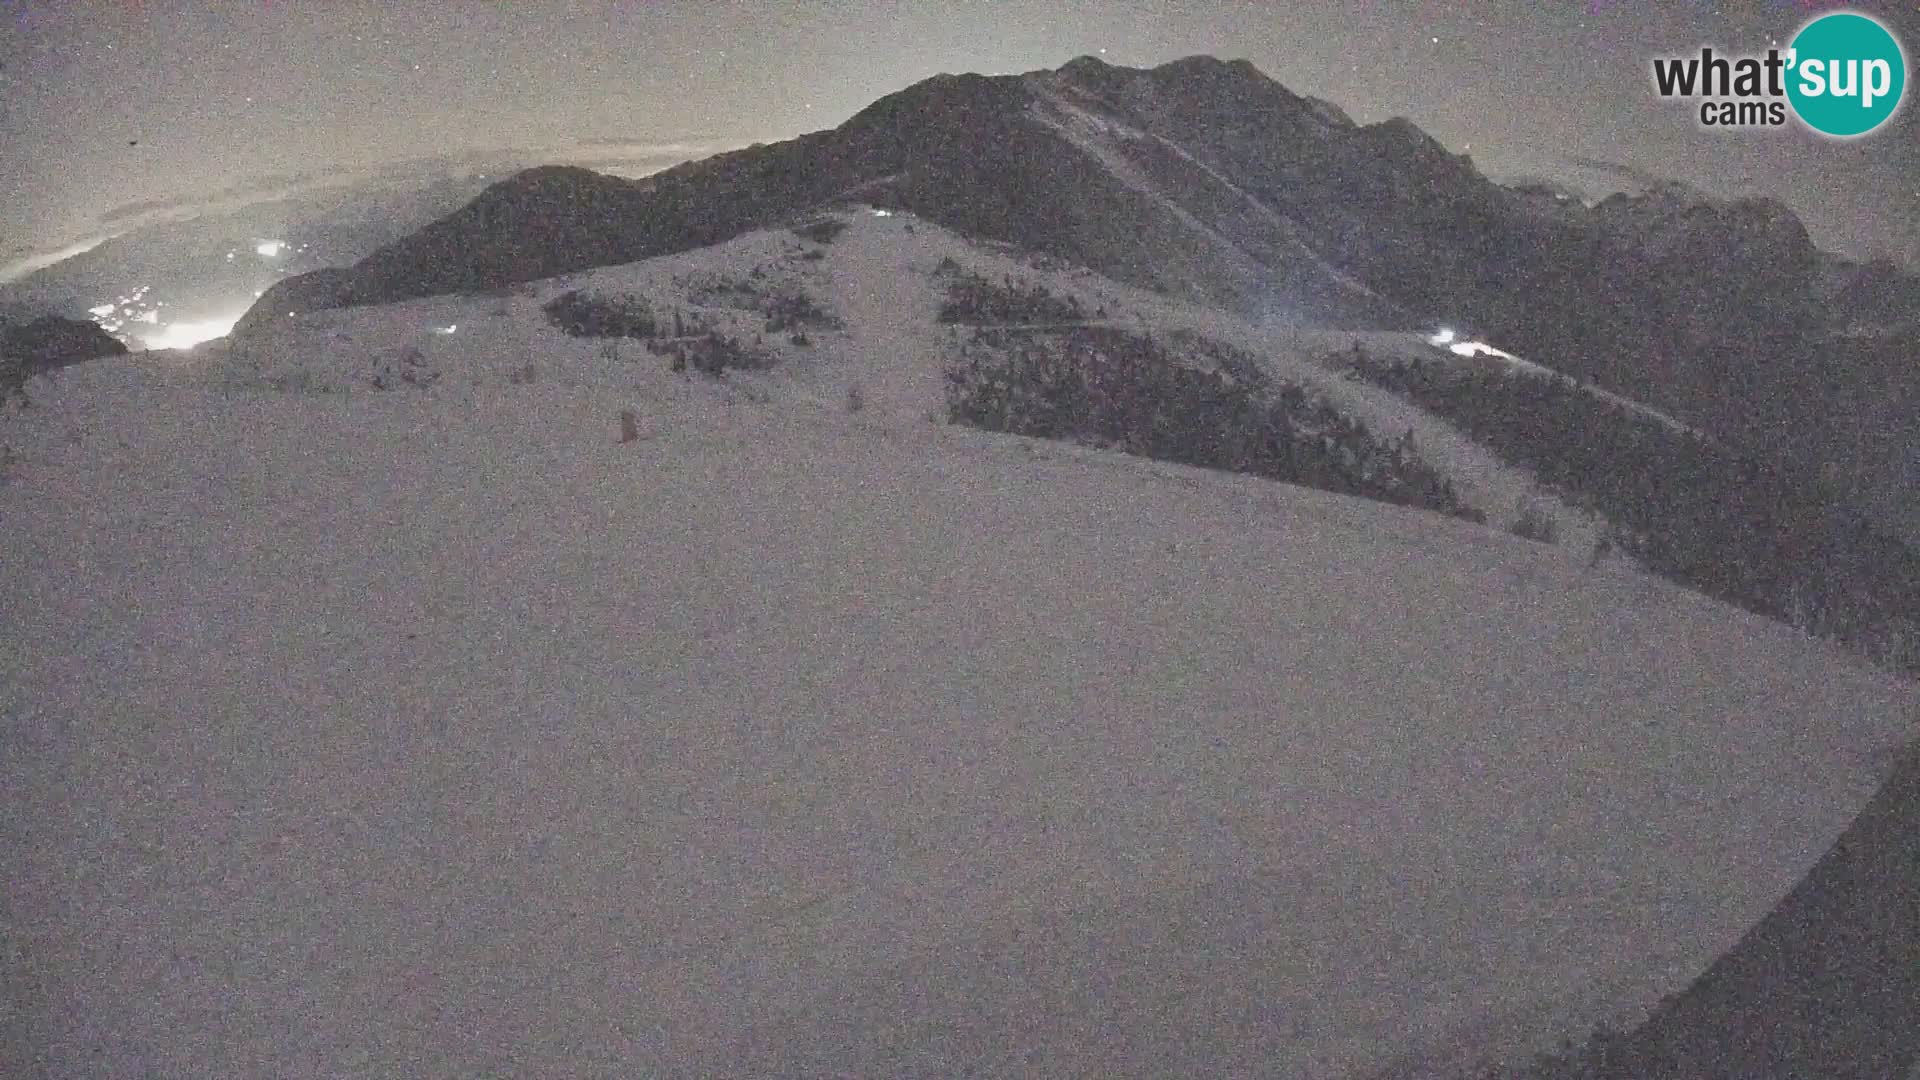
(590,538)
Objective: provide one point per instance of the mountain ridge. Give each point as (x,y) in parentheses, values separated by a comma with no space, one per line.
(1204,179)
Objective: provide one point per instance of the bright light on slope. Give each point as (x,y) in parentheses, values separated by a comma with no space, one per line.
(1478,348)
(269,248)
(1449,340)
(185,335)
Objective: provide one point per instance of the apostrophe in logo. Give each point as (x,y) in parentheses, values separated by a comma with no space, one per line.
(1848,74)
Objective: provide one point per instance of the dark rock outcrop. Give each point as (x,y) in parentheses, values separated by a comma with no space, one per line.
(50,342)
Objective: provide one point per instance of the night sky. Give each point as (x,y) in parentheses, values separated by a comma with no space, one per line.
(105,103)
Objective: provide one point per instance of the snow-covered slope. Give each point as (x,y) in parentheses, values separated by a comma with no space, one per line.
(436,732)
(877,278)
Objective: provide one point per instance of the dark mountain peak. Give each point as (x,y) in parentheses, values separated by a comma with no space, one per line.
(318,290)
(1667,212)
(1400,131)
(552,182)
(929,101)
(1086,67)
(1224,84)
(1088,78)
(1330,114)
(541,175)
(1202,66)
(1201,98)
(545,188)
(1192,84)
(1404,148)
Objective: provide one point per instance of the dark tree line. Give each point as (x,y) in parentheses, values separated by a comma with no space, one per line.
(1728,524)
(1105,387)
(975,300)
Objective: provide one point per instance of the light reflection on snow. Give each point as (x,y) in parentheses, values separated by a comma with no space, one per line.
(185,335)
(1478,348)
(1449,339)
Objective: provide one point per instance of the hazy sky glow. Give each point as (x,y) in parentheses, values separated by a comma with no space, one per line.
(104,104)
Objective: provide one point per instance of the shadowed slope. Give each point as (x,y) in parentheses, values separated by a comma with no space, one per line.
(1828,984)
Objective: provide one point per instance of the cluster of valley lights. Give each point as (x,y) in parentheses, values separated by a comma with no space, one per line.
(133,311)
(126,312)
(1447,339)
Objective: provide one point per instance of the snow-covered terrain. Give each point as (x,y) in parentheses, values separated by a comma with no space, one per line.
(436,732)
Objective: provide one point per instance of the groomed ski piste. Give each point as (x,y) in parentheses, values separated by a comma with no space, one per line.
(436,731)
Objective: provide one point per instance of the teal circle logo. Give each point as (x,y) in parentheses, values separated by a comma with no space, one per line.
(1847,74)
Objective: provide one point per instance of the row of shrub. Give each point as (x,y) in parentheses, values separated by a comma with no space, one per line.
(1688,508)
(975,300)
(711,353)
(584,314)
(1106,387)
